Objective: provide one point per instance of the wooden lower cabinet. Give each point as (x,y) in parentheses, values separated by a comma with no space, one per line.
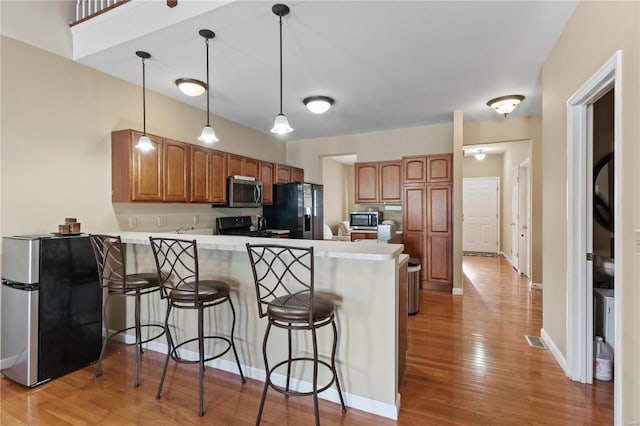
(363,236)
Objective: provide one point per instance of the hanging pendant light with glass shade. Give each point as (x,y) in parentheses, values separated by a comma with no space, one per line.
(144,143)
(207,135)
(281,125)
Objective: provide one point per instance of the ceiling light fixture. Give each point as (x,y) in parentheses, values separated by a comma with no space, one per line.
(318,104)
(144,143)
(191,86)
(480,155)
(281,124)
(207,135)
(505,105)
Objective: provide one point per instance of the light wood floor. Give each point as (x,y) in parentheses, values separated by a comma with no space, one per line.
(468,364)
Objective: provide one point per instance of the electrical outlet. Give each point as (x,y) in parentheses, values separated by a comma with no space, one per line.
(162,221)
(637,241)
(133,223)
(196,219)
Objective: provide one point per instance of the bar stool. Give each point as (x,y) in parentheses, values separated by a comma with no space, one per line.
(284,281)
(177,265)
(109,253)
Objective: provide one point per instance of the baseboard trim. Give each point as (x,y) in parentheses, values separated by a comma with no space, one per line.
(560,359)
(379,408)
(457,291)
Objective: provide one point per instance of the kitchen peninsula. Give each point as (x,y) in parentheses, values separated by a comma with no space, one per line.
(365,279)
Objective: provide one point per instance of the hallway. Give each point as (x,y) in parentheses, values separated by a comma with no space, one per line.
(469,362)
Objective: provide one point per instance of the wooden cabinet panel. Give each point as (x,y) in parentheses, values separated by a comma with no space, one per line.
(250,167)
(366,182)
(414,169)
(266,177)
(282,174)
(176,171)
(439,258)
(390,181)
(364,236)
(414,246)
(439,202)
(200,174)
(414,212)
(297,175)
(218,182)
(439,168)
(234,165)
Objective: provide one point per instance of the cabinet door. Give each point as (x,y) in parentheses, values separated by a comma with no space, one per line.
(266,177)
(200,175)
(415,214)
(439,168)
(415,246)
(414,169)
(283,174)
(390,181)
(250,167)
(297,175)
(177,171)
(218,175)
(366,182)
(234,165)
(439,233)
(147,176)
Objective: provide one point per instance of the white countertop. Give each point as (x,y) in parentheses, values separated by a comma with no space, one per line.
(364,250)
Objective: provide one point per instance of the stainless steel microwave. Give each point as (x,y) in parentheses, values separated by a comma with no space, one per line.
(364,220)
(243,192)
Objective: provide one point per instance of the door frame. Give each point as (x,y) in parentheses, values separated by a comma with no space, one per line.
(495,179)
(579,315)
(524,209)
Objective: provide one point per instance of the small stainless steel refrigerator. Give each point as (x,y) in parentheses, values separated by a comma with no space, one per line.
(51,307)
(296,207)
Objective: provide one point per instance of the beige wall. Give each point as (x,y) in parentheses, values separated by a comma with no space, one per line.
(336,193)
(592,36)
(57,117)
(518,129)
(489,167)
(375,146)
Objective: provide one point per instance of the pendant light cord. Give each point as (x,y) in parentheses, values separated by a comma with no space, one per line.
(280,64)
(206,41)
(144,102)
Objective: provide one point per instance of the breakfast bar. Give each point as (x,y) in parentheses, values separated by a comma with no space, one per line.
(364,279)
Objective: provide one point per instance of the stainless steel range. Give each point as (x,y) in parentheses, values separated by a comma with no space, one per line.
(241,226)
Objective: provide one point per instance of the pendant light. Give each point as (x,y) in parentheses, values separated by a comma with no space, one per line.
(281,125)
(144,143)
(207,135)
(480,155)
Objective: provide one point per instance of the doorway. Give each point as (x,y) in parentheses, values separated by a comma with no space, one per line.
(580,220)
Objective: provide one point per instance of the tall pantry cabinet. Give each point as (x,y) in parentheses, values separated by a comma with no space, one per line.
(427,217)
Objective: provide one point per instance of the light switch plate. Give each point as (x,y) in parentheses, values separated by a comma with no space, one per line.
(133,223)
(162,221)
(196,219)
(637,241)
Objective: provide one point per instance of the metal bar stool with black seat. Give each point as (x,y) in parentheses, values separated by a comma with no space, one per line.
(284,282)
(177,265)
(109,253)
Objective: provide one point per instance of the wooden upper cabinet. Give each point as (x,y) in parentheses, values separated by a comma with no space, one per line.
(208,176)
(282,174)
(234,165)
(218,165)
(439,168)
(250,167)
(297,174)
(414,169)
(266,177)
(176,171)
(200,174)
(390,181)
(135,175)
(366,182)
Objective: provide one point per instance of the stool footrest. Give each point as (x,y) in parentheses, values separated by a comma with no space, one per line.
(177,358)
(284,391)
(124,330)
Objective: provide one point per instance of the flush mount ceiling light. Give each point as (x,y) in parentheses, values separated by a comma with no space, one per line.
(318,104)
(480,155)
(207,135)
(505,105)
(144,143)
(191,86)
(281,124)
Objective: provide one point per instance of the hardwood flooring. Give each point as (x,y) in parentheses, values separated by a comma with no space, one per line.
(468,363)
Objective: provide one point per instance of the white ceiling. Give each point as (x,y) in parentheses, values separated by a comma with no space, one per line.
(387,64)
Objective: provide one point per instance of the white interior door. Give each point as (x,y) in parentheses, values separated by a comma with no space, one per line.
(480,209)
(515,225)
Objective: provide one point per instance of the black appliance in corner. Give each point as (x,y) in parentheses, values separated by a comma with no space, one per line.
(51,307)
(297,207)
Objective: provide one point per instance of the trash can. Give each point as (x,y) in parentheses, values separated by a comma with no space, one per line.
(413,287)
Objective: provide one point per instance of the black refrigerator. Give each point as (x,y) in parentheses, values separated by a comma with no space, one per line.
(297,207)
